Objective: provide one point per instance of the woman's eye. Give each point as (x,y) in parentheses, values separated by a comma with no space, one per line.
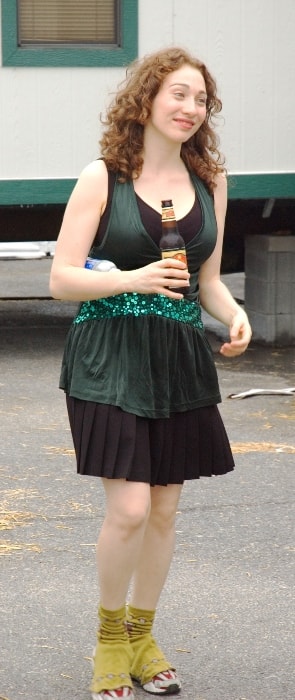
(180,95)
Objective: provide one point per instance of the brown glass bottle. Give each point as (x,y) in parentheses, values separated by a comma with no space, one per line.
(171,242)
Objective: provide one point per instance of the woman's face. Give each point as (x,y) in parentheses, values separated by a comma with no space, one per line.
(179,108)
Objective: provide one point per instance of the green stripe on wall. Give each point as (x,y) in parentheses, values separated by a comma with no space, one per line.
(57,191)
(261,186)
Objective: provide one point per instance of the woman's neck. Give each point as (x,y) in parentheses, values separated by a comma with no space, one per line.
(161,156)
(167,179)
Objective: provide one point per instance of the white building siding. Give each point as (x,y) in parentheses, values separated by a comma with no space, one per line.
(49,117)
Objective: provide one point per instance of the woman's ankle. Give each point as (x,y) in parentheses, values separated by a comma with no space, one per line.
(112,625)
(139,621)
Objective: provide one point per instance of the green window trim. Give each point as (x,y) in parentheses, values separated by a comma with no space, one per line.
(13,55)
(57,191)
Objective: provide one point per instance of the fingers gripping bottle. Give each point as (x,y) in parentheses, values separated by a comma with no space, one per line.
(171,242)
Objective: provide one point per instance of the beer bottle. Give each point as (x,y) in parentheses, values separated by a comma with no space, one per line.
(171,242)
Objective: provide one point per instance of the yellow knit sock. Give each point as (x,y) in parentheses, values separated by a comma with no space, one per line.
(148,660)
(113,652)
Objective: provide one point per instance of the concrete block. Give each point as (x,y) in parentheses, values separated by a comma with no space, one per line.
(285,264)
(270,287)
(269,257)
(258,264)
(271,244)
(270,298)
(274,329)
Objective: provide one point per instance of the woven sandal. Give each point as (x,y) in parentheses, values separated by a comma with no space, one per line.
(151,670)
(165,683)
(110,683)
(117,694)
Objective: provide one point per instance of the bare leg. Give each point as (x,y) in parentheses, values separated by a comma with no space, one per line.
(157,548)
(121,537)
(149,665)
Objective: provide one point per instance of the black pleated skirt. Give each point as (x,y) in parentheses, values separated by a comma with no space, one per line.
(114,444)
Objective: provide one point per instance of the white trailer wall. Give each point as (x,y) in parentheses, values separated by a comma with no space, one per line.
(49,117)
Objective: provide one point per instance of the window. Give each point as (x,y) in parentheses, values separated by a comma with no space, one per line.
(69,32)
(68,22)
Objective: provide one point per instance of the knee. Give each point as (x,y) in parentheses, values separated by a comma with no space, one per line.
(164,508)
(163,518)
(130,517)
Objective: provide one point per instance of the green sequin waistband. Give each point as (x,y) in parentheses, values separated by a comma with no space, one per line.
(135,304)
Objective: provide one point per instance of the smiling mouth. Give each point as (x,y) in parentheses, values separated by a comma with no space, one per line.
(186,123)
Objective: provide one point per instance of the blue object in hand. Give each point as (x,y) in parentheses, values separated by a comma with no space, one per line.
(100,265)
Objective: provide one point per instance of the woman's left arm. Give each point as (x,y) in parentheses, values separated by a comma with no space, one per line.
(215,297)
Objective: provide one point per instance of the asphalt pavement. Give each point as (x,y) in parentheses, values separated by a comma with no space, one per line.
(226,615)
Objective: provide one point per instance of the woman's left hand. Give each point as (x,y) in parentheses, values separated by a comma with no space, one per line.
(240,335)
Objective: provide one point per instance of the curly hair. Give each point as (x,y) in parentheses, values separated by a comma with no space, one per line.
(122,141)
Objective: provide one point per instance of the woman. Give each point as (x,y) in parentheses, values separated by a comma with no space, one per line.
(138,372)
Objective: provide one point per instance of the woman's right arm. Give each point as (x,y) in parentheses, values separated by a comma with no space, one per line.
(70,280)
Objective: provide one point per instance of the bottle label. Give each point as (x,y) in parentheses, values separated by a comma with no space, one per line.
(179,254)
(168,214)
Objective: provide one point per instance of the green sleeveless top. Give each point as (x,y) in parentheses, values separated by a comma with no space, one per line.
(145,353)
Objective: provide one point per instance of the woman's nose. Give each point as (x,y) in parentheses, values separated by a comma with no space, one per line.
(189,106)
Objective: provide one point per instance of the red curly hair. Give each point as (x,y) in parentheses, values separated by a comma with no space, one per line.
(122,142)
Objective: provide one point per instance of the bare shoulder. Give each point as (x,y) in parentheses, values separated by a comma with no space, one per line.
(221,184)
(92,185)
(96,171)
(220,197)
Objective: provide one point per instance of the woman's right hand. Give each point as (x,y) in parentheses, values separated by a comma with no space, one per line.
(159,278)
